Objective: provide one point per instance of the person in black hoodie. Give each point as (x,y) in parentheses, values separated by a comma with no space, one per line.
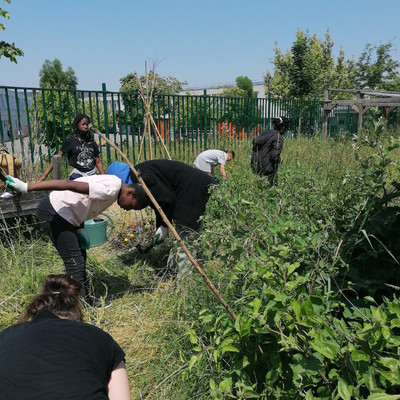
(267,148)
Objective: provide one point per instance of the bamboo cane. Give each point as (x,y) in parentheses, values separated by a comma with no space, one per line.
(168,223)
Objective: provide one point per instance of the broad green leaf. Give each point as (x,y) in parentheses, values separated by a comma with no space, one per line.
(325,348)
(292,268)
(394,308)
(343,390)
(226,385)
(378,315)
(389,362)
(359,355)
(386,332)
(309,395)
(192,361)
(250,394)
(395,323)
(383,396)
(296,306)
(229,348)
(307,308)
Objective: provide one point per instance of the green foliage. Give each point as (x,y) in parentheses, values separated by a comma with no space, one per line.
(8,50)
(307,326)
(52,76)
(309,68)
(379,70)
(243,88)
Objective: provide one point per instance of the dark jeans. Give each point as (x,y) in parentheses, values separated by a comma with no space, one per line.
(65,240)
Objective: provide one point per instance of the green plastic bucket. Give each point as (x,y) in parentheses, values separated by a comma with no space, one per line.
(97,230)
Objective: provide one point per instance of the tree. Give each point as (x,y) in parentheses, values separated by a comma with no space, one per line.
(243,88)
(162,85)
(376,68)
(52,76)
(131,92)
(304,71)
(8,50)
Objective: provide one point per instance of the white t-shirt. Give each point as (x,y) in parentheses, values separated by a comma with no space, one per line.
(210,158)
(77,208)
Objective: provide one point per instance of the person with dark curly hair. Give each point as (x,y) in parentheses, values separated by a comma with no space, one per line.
(82,151)
(53,354)
(267,148)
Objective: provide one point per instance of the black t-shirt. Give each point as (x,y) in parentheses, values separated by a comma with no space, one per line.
(182,191)
(51,358)
(81,154)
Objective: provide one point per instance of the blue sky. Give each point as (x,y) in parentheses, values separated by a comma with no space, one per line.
(203,42)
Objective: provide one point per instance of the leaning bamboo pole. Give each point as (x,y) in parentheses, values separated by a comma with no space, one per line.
(168,223)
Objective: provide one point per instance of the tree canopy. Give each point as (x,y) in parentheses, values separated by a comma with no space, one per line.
(243,88)
(309,68)
(8,50)
(52,76)
(162,85)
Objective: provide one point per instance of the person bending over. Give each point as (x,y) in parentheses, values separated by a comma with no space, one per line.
(72,202)
(208,159)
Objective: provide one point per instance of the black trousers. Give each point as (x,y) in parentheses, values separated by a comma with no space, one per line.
(65,240)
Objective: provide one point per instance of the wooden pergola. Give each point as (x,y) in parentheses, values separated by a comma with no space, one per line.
(387,100)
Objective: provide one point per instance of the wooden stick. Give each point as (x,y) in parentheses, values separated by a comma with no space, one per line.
(168,223)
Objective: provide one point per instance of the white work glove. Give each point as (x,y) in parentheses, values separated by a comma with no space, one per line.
(84,239)
(160,235)
(16,184)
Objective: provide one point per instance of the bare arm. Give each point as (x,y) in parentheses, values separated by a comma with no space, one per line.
(222,170)
(74,186)
(99,165)
(49,168)
(118,386)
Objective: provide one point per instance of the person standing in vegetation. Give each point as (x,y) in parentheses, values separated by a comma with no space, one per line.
(82,151)
(68,206)
(208,159)
(53,354)
(267,148)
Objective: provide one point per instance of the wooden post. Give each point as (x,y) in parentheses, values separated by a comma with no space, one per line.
(57,167)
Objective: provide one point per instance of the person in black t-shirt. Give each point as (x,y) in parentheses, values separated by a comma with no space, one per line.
(54,355)
(81,150)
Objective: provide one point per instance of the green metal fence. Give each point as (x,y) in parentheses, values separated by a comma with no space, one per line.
(34,122)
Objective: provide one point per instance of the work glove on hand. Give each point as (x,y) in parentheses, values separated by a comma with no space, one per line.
(160,235)
(83,237)
(216,179)
(16,184)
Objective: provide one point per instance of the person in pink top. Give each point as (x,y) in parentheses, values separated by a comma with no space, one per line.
(69,205)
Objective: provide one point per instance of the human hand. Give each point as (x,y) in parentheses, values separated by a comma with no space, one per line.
(16,184)
(160,235)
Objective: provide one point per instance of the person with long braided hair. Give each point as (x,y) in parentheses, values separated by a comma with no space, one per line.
(82,151)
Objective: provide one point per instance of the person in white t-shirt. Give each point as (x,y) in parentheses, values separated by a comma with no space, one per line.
(69,205)
(208,159)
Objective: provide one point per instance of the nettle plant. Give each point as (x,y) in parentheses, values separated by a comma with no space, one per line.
(295,262)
